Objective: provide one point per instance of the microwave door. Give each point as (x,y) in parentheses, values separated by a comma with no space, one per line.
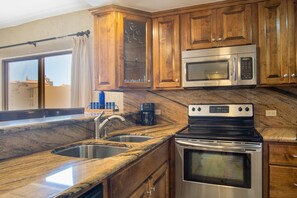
(209,71)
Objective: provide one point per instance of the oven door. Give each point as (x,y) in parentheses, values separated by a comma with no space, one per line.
(218,169)
(209,71)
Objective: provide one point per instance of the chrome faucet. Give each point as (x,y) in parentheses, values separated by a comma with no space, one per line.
(99,127)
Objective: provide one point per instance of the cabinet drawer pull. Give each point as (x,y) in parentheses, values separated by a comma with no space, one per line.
(295,184)
(213,40)
(294,156)
(293,75)
(286,75)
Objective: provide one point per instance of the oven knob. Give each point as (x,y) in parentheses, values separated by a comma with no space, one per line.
(199,109)
(239,109)
(247,109)
(193,109)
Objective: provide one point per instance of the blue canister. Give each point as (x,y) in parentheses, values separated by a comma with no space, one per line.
(101,99)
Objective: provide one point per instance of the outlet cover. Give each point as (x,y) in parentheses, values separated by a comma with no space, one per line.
(270,113)
(158,112)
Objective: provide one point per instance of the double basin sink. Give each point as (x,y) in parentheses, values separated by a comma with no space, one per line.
(100,151)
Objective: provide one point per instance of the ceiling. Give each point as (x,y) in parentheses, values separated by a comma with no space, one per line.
(16,12)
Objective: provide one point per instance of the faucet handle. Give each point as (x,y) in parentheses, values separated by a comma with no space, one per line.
(99,116)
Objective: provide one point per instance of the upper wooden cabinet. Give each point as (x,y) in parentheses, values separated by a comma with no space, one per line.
(217,27)
(277,41)
(166,53)
(122,53)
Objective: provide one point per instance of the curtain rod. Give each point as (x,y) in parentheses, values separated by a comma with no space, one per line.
(87,33)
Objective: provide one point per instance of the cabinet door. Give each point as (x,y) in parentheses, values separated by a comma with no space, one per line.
(104,51)
(135,51)
(283,182)
(273,34)
(234,25)
(198,30)
(141,192)
(159,182)
(166,53)
(292,17)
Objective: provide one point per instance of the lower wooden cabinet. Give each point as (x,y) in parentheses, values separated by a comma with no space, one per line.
(280,170)
(156,186)
(147,177)
(283,181)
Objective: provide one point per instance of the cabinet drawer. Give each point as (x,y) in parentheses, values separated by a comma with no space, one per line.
(283,154)
(283,182)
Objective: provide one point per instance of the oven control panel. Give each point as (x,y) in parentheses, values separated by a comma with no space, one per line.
(221,110)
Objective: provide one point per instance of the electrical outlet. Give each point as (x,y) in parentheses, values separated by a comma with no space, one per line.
(270,113)
(158,112)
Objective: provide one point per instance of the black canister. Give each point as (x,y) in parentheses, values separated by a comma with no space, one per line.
(147,114)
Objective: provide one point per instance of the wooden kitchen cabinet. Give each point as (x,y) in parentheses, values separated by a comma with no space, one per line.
(166,53)
(147,177)
(159,182)
(122,53)
(280,170)
(156,186)
(277,41)
(219,27)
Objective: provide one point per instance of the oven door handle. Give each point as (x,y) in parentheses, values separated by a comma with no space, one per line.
(214,147)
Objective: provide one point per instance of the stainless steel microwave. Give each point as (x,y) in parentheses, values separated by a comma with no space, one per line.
(226,66)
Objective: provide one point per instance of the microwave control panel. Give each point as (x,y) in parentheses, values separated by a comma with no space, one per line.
(246,67)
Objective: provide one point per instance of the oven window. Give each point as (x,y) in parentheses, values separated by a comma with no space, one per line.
(209,70)
(222,168)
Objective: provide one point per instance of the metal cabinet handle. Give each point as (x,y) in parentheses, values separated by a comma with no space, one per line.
(148,80)
(286,75)
(294,156)
(295,184)
(293,75)
(176,80)
(213,40)
(235,68)
(219,39)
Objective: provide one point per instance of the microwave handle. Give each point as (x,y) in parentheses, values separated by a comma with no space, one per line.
(235,68)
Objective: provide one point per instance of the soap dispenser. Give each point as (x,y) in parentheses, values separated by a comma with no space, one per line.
(101,98)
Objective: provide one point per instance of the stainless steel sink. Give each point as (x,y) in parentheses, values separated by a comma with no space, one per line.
(129,138)
(91,151)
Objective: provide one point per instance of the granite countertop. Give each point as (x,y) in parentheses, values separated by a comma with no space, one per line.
(44,174)
(280,134)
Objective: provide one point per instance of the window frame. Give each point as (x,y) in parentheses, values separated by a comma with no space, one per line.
(41,76)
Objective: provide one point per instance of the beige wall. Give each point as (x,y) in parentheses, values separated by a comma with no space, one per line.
(40,29)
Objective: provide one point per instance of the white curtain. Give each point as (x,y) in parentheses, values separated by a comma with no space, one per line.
(81,73)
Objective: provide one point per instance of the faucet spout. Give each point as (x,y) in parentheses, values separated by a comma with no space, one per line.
(97,124)
(102,133)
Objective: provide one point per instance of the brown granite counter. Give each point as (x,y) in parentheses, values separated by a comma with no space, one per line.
(278,134)
(45,174)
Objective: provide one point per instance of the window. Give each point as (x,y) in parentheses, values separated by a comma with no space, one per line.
(37,82)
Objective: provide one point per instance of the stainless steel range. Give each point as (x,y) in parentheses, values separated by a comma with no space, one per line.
(219,155)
